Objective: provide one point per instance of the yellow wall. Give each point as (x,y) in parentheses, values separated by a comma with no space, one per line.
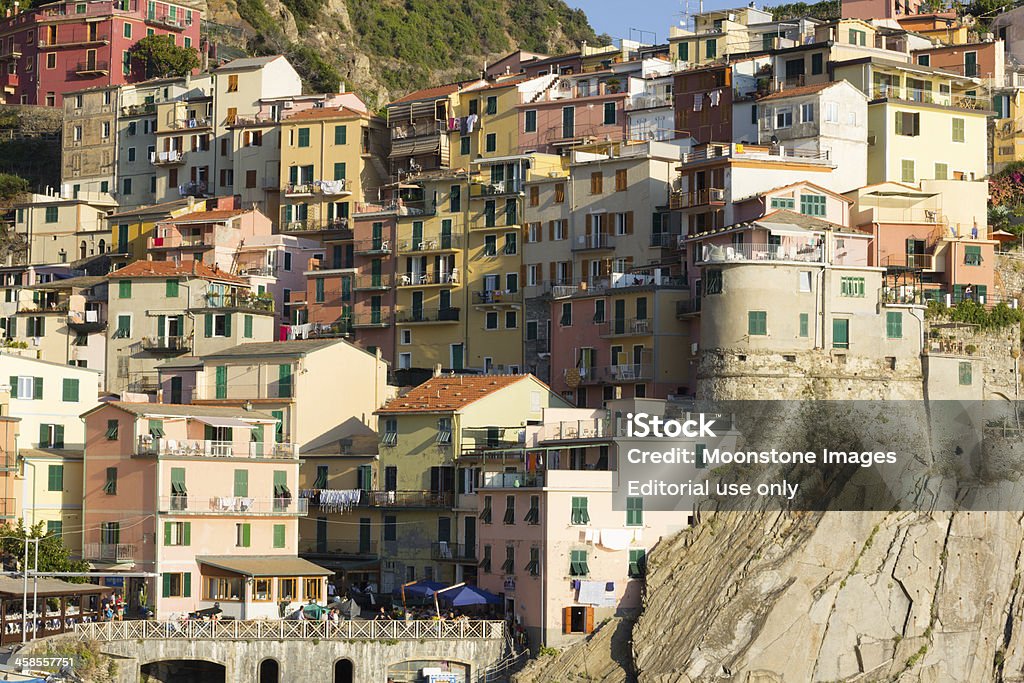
(503,125)
(39,504)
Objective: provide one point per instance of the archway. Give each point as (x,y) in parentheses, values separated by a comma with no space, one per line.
(343,671)
(270,671)
(184,671)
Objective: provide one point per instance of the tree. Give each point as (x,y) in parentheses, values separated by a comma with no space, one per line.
(163,58)
(11,187)
(54,556)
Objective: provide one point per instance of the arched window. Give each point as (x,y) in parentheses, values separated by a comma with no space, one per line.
(84,248)
(269,671)
(343,671)
(103,246)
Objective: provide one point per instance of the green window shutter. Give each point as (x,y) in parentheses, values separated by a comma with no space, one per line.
(172,289)
(840,333)
(279,428)
(161,325)
(757,323)
(284,380)
(167,533)
(44,442)
(634,511)
(186,584)
(208,325)
(58,441)
(246,535)
(70,390)
(221,381)
(227,324)
(241,483)
(637,562)
(684,52)
(340,135)
(14,386)
(972,255)
(37,388)
(247,326)
(804,324)
(187,536)
(894,325)
(279,538)
(167,585)
(124,289)
(966,374)
(303,137)
(907,170)
(339,170)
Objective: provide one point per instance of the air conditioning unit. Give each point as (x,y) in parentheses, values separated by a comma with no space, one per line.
(289,105)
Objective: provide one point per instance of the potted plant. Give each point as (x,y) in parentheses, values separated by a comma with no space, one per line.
(613,85)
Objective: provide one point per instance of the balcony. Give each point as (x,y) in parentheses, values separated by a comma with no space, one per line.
(648,102)
(11,51)
(436,243)
(330,188)
(667,240)
(110,552)
(85,322)
(315,225)
(686,308)
(429,278)
(371,320)
(233,505)
(167,344)
(707,196)
(497,188)
(593,242)
(626,327)
(427,316)
(421,128)
(241,300)
(77,41)
(920,96)
(193,188)
(494,298)
(452,552)
(90,68)
(254,269)
(333,330)
(572,430)
(481,441)
(895,262)
(146,109)
(175,240)
(407,499)
(342,546)
(627,372)
(372,247)
(192,124)
(9,80)
(172,157)
(760,253)
(205,448)
(511,480)
(167,21)
(369,283)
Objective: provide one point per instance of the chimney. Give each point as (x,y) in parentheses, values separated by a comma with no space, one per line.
(437,370)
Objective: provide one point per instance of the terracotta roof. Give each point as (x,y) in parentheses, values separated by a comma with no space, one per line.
(207,216)
(325,113)
(798,91)
(171,269)
(448,393)
(429,93)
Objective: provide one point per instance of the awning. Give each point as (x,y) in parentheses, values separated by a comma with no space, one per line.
(225,422)
(414,147)
(264,565)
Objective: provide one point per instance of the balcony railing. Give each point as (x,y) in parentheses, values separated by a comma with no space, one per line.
(666,240)
(688,307)
(408,499)
(324,187)
(626,327)
(428,278)
(205,448)
(167,344)
(455,552)
(167,21)
(760,253)
(372,319)
(194,124)
(110,552)
(686,200)
(341,546)
(481,440)
(402,131)
(145,109)
(921,96)
(74,41)
(648,102)
(233,505)
(593,241)
(91,67)
(85,321)
(496,188)
(314,224)
(371,282)
(427,315)
(496,297)
(372,247)
(241,300)
(510,480)
(193,188)
(444,242)
(172,157)
(575,429)
(910,261)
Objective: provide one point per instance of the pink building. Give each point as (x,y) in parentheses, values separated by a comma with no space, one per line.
(550,539)
(274,264)
(879,9)
(588,106)
(202,496)
(66,46)
(212,237)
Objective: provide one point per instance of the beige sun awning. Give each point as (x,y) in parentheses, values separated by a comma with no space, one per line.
(224,422)
(414,147)
(264,565)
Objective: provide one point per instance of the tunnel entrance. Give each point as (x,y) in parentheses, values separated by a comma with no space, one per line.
(183,671)
(343,671)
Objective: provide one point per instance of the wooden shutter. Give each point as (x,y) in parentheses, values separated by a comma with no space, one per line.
(590,621)
(551,231)
(14,386)
(629,222)
(208,326)
(585,268)
(567,620)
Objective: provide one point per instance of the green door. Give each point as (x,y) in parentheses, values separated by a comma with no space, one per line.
(446,233)
(321,534)
(222,381)
(364,535)
(568,122)
(375,310)
(970,64)
(458,353)
(375,278)
(176,390)
(417,305)
(840,333)
(378,236)
(417,235)
(620,316)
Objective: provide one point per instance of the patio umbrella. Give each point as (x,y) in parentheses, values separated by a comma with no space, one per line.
(313,611)
(466,596)
(348,609)
(422,589)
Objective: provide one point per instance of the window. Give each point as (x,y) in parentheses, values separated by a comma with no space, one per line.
(596,183)
(533,514)
(124,326)
(110,533)
(110,487)
(578,563)
(559,193)
(233,83)
(637,563)
(858,37)
(908,123)
(958,130)
(684,52)
(340,135)
(287,589)
(831,112)
(894,325)
(55,478)
(566,318)
(311,588)
(924,60)
(485,513)
(620,180)
(784,117)
(124,289)
(807,113)
(54,527)
(390,436)
(177,533)
(464,146)
(279,537)
(634,511)
(804,325)
(511,320)
(509,565)
(534,196)
(51,214)
(533,566)
(491,320)
(510,510)
(907,170)
(127,185)
(579,514)
(319,290)
(530,121)
(492,105)
(444,430)
(840,333)
(70,390)
(217,325)
(490,245)
(609,114)
(972,255)
(941,171)
(757,323)
(112,428)
(303,137)
(782,203)
(177,585)
(812,204)
(261,590)
(599,310)
(491,142)
(221,588)
(817,63)
(51,60)
(851,287)
(711,49)
(243,535)
(27,388)
(966,372)
(713,281)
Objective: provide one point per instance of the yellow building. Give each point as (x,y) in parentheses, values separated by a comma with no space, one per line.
(427,499)
(51,493)
(326,165)
(923,123)
(130,230)
(1008,142)
(496,129)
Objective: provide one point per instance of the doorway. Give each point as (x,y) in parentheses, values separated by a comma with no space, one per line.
(343,671)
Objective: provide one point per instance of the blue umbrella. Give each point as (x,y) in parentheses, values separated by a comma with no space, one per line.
(466,596)
(421,589)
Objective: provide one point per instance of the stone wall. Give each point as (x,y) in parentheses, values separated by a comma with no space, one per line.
(991,353)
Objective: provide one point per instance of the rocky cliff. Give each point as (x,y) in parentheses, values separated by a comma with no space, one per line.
(385,48)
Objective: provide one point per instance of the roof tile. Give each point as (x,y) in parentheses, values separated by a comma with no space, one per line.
(172,269)
(449,393)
